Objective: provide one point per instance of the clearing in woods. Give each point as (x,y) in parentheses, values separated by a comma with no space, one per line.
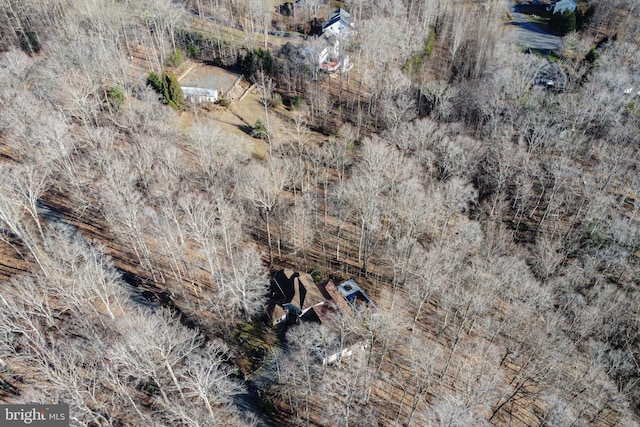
(210,77)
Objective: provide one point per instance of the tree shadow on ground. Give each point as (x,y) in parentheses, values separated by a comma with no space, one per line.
(531,26)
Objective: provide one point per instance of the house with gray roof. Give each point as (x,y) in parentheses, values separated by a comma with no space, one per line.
(324,50)
(563,6)
(339,23)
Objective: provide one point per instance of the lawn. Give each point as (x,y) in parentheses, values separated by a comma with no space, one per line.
(539,20)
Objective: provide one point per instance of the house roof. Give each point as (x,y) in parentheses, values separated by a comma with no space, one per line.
(339,15)
(197,91)
(330,38)
(296,296)
(336,296)
(353,293)
(317,45)
(311,314)
(330,65)
(564,5)
(295,288)
(323,48)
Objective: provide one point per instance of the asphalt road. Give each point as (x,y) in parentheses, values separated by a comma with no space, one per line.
(530,35)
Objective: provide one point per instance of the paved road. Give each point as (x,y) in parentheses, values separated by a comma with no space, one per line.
(530,35)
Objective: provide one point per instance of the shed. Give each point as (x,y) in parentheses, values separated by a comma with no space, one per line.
(197,94)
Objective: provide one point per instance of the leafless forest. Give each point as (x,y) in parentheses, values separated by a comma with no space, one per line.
(493,220)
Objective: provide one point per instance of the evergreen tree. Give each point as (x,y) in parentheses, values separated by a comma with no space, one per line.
(169,87)
(172,91)
(256,60)
(563,23)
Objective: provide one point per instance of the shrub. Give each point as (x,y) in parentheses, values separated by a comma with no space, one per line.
(155,82)
(295,102)
(563,23)
(223,101)
(416,61)
(584,14)
(217,61)
(591,56)
(413,64)
(115,97)
(260,130)
(193,51)
(28,41)
(315,274)
(431,41)
(176,58)
(275,100)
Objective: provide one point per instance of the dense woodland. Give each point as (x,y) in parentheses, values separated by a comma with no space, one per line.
(493,222)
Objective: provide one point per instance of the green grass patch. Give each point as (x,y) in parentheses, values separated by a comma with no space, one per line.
(415,63)
(634,109)
(539,20)
(431,41)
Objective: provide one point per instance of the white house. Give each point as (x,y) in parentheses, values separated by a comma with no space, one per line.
(324,51)
(339,23)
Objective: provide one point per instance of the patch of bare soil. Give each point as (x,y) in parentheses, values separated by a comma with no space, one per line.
(12,259)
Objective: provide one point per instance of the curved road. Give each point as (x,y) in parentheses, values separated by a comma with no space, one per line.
(530,35)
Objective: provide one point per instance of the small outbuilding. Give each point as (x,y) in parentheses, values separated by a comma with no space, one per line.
(197,95)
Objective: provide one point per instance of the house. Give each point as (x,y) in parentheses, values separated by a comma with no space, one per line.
(562,6)
(197,95)
(294,296)
(297,298)
(339,23)
(324,51)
